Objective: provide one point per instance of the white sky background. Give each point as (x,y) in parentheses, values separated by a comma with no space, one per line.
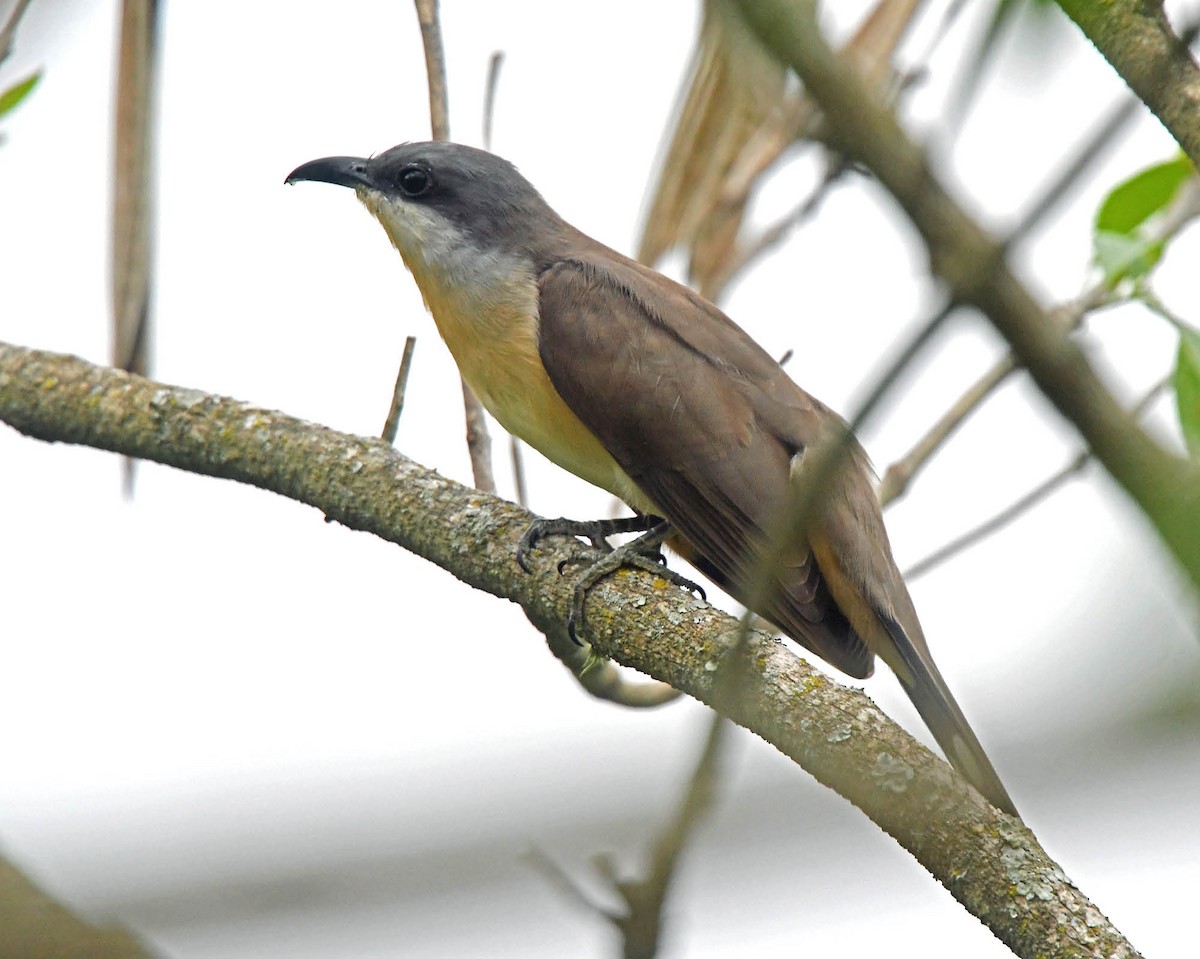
(247,732)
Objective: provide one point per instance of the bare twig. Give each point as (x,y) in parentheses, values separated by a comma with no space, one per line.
(9,30)
(644,899)
(133,217)
(495,62)
(518,469)
(1025,503)
(745,253)
(435,68)
(568,886)
(392,423)
(1001,519)
(1054,192)
(640,923)
(605,680)
(479,444)
(898,477)
(820,463)
(972,265)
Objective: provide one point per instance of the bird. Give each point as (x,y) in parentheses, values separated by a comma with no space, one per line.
(642,387)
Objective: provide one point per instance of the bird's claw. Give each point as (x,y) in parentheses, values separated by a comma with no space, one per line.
(595,532)
(643,553)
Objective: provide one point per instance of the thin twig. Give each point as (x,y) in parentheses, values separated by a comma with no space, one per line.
(133,196)
(640,923)
(644,900)
(899,476)
(479,444)
(392,424)
(435,68)
(972,265)
(1025,503)
(9,30)
(820,464)
(518,469)
(495,62)
(1058,189)
(745,254)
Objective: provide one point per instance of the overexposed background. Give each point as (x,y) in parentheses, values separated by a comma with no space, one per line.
(245,732)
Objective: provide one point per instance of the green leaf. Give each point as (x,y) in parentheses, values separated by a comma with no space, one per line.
(1123,256)
(1186,381)
(1144,194)
(18,92)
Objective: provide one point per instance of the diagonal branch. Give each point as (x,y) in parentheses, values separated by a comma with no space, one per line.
(9,30)
(479,443)
(1136,38)
(972,265)
(989,862)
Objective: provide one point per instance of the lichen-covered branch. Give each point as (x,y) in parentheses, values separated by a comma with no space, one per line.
(35,926)
(988,861)
(1136,38)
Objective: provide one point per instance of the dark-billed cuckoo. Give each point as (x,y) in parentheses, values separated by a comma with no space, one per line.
(640,386)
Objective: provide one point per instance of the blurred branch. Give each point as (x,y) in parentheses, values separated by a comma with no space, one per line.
(435,68)
(746,252)
(9,30)
(133,191)
(392,423)
(737,117)
(640,924)
(35,926)
(1137,40)
(520,490)
(479,444)
(644,899)
(973,267)
(1025,503)
(832,731)
(1053,193)
(900,474)
(495,62)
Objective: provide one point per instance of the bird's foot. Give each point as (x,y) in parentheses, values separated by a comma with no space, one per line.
(595,532)
(644,553)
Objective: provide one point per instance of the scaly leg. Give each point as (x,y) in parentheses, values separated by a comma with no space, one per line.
(644,553)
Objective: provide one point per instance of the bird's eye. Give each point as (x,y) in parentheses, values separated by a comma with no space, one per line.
(414,180)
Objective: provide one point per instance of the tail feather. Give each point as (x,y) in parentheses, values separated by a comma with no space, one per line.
(930,694)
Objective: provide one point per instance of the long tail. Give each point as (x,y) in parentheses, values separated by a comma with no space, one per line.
(929,693)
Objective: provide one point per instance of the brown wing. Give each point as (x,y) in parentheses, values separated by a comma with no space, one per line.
(710,428)
(702,420)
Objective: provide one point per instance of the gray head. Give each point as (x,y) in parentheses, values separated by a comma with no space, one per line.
(429,194)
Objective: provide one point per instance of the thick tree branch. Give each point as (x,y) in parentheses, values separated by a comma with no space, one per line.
(1136,38)
(988,861)
(973,267)
(35,926)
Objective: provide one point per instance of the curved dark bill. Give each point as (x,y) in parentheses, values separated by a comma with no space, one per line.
(340,171)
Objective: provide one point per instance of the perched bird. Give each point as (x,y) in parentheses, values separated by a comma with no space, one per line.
(640,386)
